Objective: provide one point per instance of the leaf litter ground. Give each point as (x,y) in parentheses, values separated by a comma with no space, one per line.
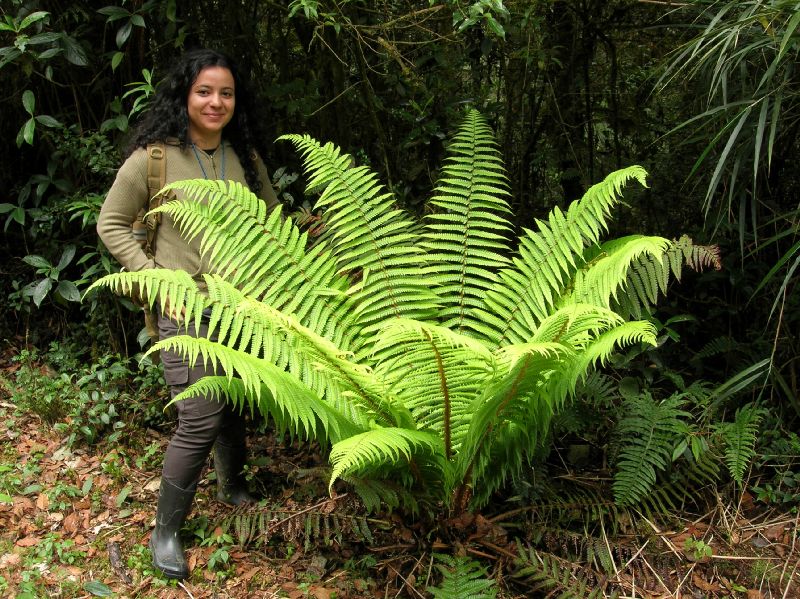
(75,522)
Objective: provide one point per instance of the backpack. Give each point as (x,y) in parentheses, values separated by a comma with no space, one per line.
(145,227)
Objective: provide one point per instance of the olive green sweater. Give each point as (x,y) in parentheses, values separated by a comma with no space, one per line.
(129,194)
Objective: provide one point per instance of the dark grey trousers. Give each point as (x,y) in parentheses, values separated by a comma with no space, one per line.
(201,420)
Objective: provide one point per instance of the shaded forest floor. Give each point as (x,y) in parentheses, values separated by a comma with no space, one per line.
(75,522)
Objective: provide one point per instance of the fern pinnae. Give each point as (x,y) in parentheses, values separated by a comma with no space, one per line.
(354,203)
(538,275)
(158,286)
(522,398)
(649,274)
(293,407)
(263,254)
(435,371)
(739,439)
(462,578)
(466,242)
(374,447)
(650,431)
(602,281)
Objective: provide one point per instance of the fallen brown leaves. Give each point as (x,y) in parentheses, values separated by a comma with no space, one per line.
(74,495)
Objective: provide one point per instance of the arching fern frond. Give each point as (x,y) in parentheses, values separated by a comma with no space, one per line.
(513,414)
(370,239)
(462,578)
(684,484)
(555,576)
(379,447)
(435,372)
(649,274)
(606,271)
(576,324)
(527,292)
(377,494)
(262,255)
(262,385)
(353,387)
(293,407)
(159,286)
(466,238)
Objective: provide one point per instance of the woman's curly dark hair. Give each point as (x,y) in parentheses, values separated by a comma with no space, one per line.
(167,115)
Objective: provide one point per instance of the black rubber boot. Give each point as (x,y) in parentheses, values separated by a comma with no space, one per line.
(174,504)
(228,465)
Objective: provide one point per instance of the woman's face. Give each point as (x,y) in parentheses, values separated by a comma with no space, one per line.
(210,105)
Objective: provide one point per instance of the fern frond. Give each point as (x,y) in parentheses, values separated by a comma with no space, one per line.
(527,292)
(649,432)
(717,346)
(159,285)
(380,446)
(466,241)
(558,577)
(378,494)
(462,578)
(353,387)
(293,407)
(370,239)
(606,273)
(649,274)
(684,485)
(435,372)
(739,439)
(512,416)
(576,324)
(262,255)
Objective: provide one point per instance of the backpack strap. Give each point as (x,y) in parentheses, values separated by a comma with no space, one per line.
(156,179)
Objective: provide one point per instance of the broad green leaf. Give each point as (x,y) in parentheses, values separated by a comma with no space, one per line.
(26,133)
(114,13)
(48,121)
(66,257)
(116,60)
(29,101)
(123,33)
(122,496)
(40,290)
(33,18)
(68,291)
(36,261)
(98,589)
(74,52)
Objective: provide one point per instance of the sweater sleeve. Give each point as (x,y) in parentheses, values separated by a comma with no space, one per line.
(127,196)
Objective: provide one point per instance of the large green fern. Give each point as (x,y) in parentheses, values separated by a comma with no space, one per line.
(431,357)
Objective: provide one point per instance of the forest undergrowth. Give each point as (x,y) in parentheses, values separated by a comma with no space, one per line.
(76,511)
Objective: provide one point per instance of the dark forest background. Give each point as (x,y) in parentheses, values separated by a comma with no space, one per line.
(703,94)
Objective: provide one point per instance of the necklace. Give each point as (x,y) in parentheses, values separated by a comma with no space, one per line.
(200,162)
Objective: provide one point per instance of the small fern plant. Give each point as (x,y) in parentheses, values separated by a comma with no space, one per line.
(462,578)
(429,355)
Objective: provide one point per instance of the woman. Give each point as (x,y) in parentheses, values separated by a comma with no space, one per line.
(200,114)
